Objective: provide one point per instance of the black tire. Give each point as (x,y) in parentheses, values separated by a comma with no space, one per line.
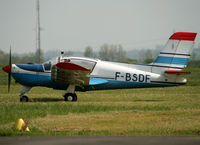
(70,97)
(75,97)
(24,99)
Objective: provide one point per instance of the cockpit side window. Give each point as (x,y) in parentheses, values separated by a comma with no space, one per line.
(84,63)
(47,66)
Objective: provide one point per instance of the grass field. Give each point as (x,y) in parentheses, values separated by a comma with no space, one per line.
(152,111)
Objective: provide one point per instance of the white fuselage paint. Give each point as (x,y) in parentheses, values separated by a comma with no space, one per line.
(132,73)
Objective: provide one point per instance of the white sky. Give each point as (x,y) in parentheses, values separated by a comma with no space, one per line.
(75,24)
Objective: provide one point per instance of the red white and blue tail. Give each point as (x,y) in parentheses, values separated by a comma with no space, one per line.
(177,51)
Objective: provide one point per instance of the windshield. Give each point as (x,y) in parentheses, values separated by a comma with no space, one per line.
(47,65)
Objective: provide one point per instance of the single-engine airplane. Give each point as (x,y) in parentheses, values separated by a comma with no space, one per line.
(85,74)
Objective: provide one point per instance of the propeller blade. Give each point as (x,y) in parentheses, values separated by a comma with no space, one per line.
(9,74)
(9,78)
(10,57)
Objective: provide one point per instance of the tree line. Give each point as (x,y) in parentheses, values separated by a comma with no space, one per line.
(107,52)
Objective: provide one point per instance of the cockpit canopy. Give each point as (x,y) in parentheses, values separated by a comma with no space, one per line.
(48,64)
(84,62)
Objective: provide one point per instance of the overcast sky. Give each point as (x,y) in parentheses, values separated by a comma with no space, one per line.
(75,24)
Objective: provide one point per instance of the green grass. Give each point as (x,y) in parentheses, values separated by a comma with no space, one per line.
(11,112)
(148,111)
(175,109)
(193,78)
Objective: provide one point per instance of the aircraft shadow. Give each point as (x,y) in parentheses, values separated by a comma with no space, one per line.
(46,99)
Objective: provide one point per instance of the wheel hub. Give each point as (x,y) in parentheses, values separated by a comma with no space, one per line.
(69,98)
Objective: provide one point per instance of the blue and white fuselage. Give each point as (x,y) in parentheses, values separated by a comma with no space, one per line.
(104,75)
(84,74)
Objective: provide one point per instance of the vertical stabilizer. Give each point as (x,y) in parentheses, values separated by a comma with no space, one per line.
(176,52)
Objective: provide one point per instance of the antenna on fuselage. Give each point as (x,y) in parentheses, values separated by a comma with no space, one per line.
(61,56)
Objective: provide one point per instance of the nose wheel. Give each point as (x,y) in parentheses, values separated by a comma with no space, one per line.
(70,97)
(22,91)
(24,99)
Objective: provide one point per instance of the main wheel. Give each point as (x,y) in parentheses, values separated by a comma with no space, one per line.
(75,97)
(70,97)
(24,99)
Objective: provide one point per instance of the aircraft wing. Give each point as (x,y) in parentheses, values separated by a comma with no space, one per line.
(177,72)
(70,73)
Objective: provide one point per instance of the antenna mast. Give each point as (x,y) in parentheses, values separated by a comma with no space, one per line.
(38,32)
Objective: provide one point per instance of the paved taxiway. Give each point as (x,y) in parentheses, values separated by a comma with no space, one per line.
(118,140)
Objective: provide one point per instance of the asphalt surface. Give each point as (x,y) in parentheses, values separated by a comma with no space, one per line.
(127,140)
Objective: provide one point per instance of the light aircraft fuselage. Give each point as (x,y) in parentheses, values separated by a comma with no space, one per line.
(85,74)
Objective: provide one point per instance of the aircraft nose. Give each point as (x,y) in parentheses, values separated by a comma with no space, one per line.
(7,68)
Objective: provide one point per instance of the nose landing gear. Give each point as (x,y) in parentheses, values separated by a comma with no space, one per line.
(22,91)
(24,99)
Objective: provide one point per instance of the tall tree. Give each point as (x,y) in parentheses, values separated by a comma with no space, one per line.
(112,53)
(89,52)
(104,52)
(146,56)
(121,54)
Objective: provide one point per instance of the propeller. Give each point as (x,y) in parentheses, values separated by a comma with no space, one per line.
(7,69)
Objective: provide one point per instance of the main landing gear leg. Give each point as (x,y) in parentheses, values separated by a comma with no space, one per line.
(22,91)
(70,94)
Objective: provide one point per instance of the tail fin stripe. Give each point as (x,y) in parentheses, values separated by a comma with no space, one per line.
(180,61)
(172,60)
(175,54)
(167,66)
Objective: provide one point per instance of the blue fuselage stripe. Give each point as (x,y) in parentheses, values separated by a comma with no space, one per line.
(31,67)
(32,79)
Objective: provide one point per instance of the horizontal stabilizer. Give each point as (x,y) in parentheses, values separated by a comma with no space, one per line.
(97,81)
(177,72)
(71,66)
